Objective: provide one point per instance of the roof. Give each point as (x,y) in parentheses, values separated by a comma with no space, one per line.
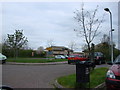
(57,48)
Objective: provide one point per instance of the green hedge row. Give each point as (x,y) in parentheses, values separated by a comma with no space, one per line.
(22,53)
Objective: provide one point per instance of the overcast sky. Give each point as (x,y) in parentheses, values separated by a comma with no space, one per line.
(43,21)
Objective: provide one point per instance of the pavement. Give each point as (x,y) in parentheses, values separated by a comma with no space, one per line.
(50,63)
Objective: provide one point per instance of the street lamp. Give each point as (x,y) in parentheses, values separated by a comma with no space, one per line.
(106,9)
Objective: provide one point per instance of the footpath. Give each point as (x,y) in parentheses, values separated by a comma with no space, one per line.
(50,63)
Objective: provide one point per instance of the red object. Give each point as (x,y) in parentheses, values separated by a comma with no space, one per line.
(114,83)
(77,57)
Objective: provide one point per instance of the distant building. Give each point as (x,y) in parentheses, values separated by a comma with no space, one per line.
(58,50)
(81,53)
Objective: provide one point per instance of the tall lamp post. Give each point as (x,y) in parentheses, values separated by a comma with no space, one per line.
(106,9)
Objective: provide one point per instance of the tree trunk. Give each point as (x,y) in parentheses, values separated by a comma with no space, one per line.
(89,54)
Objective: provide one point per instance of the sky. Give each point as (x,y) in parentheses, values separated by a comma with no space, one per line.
(44,21)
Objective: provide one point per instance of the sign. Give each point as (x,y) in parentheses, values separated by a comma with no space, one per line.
(49,48)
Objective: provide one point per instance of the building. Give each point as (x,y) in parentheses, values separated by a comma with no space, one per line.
(80,53)
(58,50)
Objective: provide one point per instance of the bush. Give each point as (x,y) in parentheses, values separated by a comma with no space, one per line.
(8,52)
(21,53)
(25,53)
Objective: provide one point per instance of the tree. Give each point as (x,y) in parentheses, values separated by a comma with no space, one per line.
(40,50)
(72,45)
(50,43)
(84,47)
(88,25)
(103,47)
(105,39)
(0,47)
(16,41)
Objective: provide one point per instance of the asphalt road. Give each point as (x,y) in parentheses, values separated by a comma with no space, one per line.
(35,76)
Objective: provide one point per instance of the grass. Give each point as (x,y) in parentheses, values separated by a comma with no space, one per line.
(34,60)
(97,77)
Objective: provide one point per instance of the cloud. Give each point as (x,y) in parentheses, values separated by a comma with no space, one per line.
(42,21)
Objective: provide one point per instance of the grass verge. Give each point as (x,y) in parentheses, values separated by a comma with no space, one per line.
(34,60)
(97,77)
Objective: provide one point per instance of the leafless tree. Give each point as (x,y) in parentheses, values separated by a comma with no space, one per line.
(105,39)
(0,47)
(72,45)
(84,47)
(88,23)
(40,50)
(50,43)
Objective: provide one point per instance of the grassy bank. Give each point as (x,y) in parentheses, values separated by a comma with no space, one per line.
(97,77)
(34,60)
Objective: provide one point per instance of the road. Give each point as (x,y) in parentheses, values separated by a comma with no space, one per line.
(34,76)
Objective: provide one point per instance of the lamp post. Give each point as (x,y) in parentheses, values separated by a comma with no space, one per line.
(106,9)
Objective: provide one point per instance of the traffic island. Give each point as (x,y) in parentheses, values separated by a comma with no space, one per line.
(49,63)
(97,78)
(57,85)
(35,61)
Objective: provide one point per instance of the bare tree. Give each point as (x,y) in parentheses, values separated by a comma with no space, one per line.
(72,45)
(40,50)
(84,47)
(88,24)
(50,43)
(105,39)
